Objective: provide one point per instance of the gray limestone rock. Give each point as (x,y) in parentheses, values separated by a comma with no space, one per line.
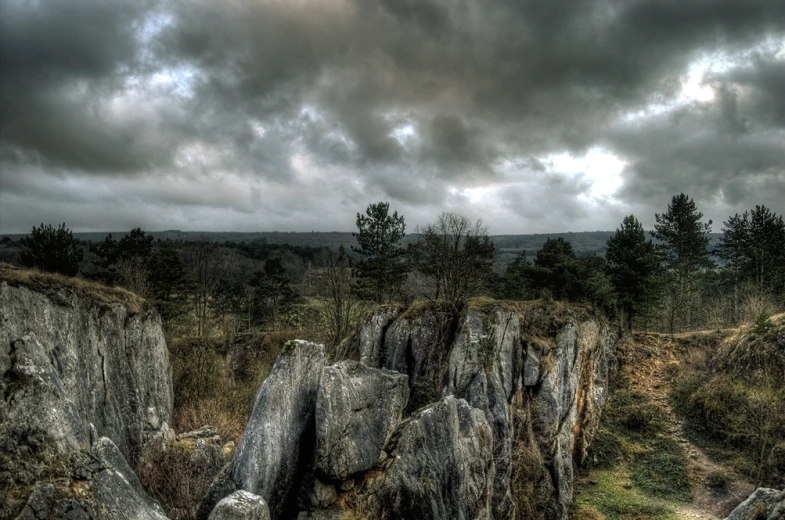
(241,505)
(68,360)
(370,337)
(315,494)
(407,344)
(569,401)
(100,485)
(278,440)
(441,466)
(357,409)
(762,504)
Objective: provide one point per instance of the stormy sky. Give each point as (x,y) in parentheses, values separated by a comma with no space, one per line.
(534,115)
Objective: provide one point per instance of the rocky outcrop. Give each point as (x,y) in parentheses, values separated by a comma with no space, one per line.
(68,360)
(369,339)
(241,505)
(763,504)
(512,393)
(94,484)
(278,441)
(78,359)
(441,466)
(357,409)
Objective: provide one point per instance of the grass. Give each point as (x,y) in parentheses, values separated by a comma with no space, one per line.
(732,396)
(613,496)
(638,471)
(46,282)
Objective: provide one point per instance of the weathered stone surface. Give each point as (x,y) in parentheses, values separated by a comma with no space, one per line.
(407,344)
(100,485)
(278,440)
(370,337)
(441,466)
(485,369)
(763,503)
(357,409)
(241,505)
(315,494)
(68,361)
(569,400)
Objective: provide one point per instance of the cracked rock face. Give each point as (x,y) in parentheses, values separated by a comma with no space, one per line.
(68,361)
(357,409)
(278,440)
(99,485)
(441,466)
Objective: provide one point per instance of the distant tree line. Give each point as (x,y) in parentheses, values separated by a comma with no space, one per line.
(669,280)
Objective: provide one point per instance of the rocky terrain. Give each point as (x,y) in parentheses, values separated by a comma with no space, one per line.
(506,400)
(85,385)
(434,415)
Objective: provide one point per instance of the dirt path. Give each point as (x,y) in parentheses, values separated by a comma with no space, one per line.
(706,503)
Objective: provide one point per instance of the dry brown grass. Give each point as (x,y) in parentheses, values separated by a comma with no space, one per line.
(38,280)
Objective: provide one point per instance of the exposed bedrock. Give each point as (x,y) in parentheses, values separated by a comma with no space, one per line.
(68,361)
(357,410)
(78,360)
(278,441)
(762,504)
(512,396)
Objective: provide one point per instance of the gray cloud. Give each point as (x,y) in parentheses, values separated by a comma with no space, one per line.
(249,115)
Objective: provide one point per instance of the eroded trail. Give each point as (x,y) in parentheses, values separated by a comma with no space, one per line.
(658,473)
(707,503)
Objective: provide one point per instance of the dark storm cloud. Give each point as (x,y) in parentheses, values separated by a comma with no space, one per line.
(338,102)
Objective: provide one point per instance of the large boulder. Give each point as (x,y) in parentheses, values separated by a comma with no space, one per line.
(441,466)
(762,504)
(357,410)
(241,505)
(278,441)
(69,358)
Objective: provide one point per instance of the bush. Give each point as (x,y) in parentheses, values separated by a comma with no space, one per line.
(180,476)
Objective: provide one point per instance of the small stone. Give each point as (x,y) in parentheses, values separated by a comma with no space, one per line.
(241,505)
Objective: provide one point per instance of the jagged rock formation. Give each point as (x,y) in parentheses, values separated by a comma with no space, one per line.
(268,459)
(762,504)
(102,487)
(74,355)
(512,396)
(440,466)
(69,361)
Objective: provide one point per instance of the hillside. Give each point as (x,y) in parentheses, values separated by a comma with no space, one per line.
(676,440)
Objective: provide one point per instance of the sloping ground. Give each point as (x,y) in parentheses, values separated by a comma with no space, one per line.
(643,463)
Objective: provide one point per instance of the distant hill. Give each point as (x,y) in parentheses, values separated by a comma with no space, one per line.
(507,246)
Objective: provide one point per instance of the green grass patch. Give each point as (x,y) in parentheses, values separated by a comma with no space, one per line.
(661,471)
(613,497)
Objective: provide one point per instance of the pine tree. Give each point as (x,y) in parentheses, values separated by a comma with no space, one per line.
(753,243)
(683,250)
(382,265)
(633,267)
(53,250)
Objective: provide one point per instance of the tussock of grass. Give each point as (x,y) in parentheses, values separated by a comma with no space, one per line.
(46,282)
